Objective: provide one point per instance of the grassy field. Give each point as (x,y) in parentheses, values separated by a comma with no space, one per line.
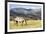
(30,24)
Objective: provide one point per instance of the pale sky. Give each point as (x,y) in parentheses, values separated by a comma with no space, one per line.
(24,6)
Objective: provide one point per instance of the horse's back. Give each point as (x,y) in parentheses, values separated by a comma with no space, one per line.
(19,18)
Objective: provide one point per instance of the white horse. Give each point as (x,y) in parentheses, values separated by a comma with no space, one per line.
(20,20)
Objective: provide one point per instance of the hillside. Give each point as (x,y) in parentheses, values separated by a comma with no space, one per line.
(30,13)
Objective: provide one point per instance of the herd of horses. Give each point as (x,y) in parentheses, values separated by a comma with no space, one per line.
(21,20)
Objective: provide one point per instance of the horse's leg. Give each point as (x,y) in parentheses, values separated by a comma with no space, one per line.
(14,22)
(22,23)
(25,22)
(17,23)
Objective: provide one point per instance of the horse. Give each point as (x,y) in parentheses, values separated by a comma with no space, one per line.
(20,20)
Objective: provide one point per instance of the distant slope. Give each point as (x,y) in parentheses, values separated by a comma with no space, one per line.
(34,13)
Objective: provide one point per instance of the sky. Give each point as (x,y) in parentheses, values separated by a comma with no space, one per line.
(24,6)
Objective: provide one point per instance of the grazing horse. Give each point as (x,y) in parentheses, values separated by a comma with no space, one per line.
(19,20)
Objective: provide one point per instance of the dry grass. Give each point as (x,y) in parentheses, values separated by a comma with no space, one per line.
(30,24)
